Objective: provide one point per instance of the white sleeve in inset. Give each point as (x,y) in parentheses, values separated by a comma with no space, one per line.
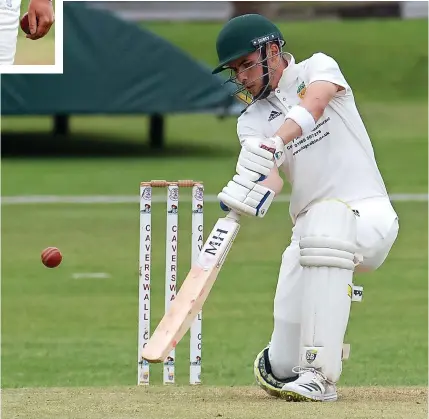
(322,67)
(9,23)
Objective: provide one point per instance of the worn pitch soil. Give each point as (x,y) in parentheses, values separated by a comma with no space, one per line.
(159,402)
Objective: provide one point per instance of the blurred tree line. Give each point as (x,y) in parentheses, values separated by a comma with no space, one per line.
(290,10)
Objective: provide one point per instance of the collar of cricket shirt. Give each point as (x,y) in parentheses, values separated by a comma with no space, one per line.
(290,73)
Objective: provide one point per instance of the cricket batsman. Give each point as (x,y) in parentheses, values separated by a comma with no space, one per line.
(301,119)
(40,16)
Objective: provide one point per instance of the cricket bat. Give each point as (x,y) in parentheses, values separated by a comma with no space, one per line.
(194,290)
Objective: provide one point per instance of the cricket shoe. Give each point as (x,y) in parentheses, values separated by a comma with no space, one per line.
(312,385)
(266,379)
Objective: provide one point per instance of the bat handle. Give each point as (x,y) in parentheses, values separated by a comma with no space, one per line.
(233,216)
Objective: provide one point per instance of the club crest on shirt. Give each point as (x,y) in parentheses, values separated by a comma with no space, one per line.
(301,90)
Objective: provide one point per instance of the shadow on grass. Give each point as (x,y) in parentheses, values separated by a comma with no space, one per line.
(40,145)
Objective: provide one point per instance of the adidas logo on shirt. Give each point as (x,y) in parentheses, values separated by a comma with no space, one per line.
(274,114)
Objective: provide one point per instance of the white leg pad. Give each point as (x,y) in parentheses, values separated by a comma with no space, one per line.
(328,246)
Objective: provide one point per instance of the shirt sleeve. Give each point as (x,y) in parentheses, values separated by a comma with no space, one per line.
(247,130)
(322,67)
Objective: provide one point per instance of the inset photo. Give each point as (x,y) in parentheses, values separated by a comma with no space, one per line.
(29,35)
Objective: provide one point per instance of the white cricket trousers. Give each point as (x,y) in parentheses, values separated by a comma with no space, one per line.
(377,229)
(9,23)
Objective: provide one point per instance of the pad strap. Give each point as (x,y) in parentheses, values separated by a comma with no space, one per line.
(327,252)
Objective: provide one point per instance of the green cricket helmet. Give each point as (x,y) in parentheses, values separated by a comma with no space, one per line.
(241,36)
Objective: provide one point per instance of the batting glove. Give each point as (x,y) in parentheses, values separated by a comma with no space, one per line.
(246,197)
(256,160)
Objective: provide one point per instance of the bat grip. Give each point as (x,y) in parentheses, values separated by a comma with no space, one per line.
(233,216)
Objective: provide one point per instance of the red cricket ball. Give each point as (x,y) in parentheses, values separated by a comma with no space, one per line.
(24,23)
(51,257)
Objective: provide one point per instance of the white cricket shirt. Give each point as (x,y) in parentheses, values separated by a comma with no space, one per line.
(337,159)
(9,22)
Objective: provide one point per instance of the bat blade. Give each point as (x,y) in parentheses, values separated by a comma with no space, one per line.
(193,292)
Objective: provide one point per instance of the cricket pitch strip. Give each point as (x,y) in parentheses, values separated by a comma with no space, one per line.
(183,402)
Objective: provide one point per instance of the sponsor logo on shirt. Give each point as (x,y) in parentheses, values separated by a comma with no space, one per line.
(301,90)
(273,114)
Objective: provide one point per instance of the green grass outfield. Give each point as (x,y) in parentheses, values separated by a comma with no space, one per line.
(83,332)
(78,337)
(382,59)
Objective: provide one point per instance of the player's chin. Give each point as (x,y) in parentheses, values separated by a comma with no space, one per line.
(251,90)
(254,90)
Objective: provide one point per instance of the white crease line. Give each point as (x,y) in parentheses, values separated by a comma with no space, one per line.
(133,199)
(91,275)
